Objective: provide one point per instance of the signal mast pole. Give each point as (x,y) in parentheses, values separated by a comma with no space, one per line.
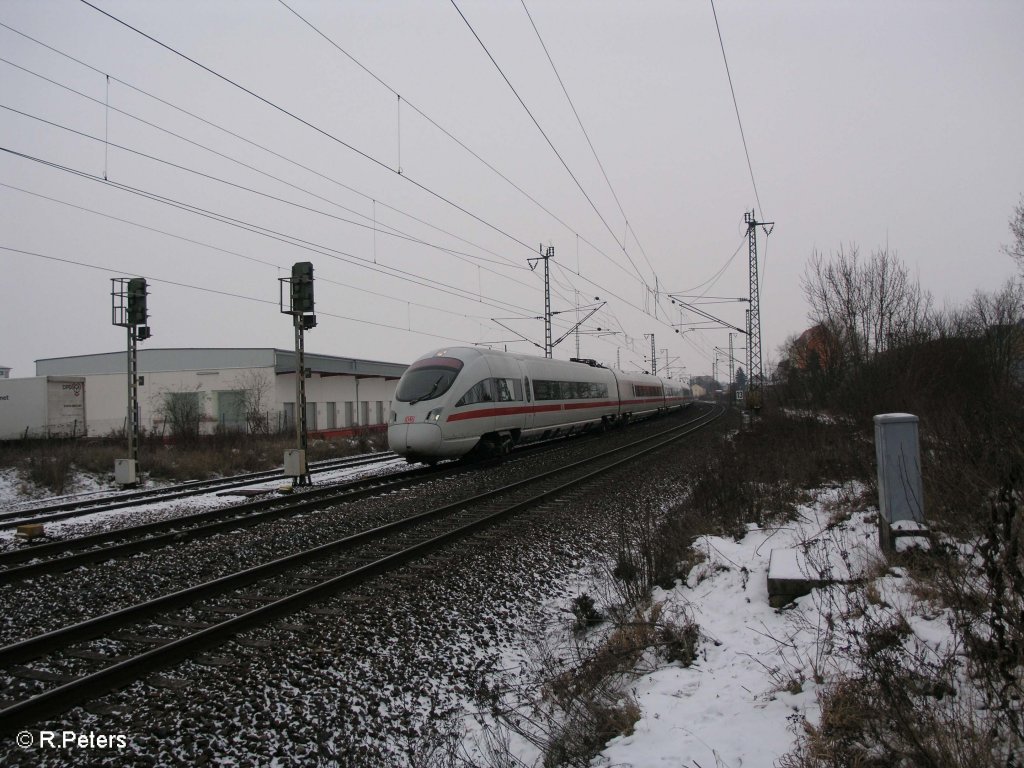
(128,310)
(300,307)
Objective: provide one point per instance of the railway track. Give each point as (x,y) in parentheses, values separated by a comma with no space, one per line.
(78,662)
(54,557)
(64,554)
(77,508)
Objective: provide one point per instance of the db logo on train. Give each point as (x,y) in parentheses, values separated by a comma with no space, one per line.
(410,419)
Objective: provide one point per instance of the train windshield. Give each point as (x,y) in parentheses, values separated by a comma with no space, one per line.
(427,379)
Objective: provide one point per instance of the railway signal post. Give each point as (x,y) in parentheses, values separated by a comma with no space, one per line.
(300,307)
(128,310)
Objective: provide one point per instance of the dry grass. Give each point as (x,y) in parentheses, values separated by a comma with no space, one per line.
(589,694)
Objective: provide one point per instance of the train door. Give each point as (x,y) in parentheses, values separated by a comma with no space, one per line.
(528,416)
(509,395)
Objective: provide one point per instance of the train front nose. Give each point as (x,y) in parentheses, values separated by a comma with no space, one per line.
(417,439)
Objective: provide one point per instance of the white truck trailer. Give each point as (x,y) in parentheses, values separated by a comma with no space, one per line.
(42,406)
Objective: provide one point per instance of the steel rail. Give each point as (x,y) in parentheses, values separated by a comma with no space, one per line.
(239,516)
(182,490)
(165,532)
(64,696)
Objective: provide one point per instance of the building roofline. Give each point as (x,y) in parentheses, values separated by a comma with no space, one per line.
(282,361)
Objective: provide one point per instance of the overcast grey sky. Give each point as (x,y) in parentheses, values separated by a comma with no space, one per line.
(871,123)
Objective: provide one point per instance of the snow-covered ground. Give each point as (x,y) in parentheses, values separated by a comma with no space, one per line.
(747,695)
(15,494)
(732,706)
(744,700)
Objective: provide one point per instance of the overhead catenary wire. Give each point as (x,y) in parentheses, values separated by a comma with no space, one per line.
(201,244)
(230,294)
(586,135)
(241,138)
(150,157)
(455,139)
(396,233)
(549,142)
(736,105)
(353,256)
(296,242)
(394,92)
(311,126)
(334,138)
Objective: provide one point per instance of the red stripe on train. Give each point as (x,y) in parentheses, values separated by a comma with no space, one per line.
(524,409)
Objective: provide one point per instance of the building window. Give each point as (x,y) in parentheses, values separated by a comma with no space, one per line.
(231,409)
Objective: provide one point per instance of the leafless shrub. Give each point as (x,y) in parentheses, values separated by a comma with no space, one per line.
(983,585)
(866,307)
(585,610)
(182,412)
(890,696)
(256,389)
(50,467)
(572,697)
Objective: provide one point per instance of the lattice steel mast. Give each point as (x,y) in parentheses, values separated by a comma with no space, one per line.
(756,372)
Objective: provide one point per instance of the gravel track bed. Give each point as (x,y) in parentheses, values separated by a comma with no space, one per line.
(157,511)
(374,677)
(50,601)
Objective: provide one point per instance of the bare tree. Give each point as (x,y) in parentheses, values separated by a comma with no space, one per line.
(182,411)
(995,324)
(868,307)
(256,389)
(1016,249)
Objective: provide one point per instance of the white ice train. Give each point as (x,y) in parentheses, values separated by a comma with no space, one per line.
(459,400)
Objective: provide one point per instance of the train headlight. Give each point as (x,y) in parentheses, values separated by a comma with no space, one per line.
(433,416)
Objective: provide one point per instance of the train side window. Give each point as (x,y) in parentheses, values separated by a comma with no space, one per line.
(478,393)
(526,386)
(505,390)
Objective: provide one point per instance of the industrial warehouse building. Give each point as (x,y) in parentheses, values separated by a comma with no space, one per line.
(236,389)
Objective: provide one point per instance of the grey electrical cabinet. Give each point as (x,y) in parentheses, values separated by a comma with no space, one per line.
(900,494)
(295,463)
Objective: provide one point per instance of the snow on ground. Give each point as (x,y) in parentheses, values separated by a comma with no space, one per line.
(732,707)
(745,698)
(12,498)
(10,484)
(16,492)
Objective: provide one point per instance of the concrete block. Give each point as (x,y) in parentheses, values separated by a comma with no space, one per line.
(30,531)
